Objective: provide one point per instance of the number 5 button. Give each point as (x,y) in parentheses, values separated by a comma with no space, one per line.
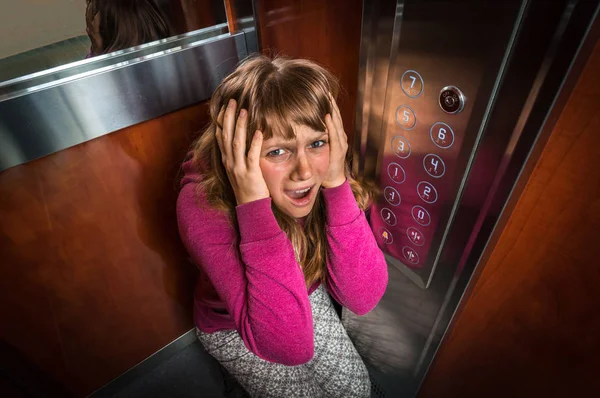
(406,117)
(442,135)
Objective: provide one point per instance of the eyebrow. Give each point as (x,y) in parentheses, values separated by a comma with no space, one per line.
(277,139)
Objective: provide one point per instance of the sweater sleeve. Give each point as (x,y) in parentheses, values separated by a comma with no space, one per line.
(255,274)
(357,272)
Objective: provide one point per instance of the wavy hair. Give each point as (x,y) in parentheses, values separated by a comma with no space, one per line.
(127,23)
(277,94)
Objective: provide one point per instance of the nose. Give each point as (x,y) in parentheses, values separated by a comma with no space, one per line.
(302,170)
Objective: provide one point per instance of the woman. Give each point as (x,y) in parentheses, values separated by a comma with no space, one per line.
(119,24)
(271,216)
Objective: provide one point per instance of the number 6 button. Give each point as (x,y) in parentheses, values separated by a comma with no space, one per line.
(442,135)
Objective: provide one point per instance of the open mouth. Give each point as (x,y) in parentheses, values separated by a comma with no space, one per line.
(300,197)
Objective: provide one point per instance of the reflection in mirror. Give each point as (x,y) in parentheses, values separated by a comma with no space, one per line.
(57,32)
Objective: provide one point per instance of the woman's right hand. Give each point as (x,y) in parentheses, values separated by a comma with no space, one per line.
(243,171)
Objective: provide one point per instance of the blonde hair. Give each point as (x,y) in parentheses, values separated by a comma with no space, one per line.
(277,93)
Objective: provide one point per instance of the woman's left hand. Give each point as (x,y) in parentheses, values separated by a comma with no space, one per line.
(338,146)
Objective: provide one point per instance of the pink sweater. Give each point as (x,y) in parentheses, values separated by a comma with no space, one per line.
(250,280)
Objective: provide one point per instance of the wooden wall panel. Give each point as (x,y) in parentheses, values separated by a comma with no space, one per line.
(189,15)
(530,327)
(94,277)
(327,32)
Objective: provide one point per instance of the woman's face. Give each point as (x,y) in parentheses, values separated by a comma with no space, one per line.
(92,27)
(295,169)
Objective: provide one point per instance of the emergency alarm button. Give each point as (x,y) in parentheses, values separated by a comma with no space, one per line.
(386,236)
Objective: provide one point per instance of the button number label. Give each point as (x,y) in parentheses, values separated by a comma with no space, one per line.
(401,147)
(427,192)
(411,83)
(434,165)
(392,196)
(396,173)
(421,216)
(442,135)
(406,117)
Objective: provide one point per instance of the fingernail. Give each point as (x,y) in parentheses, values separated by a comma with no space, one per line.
(243,113)
(231,103)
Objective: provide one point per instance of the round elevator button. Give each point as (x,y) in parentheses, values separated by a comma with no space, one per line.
(452,100)
(411,83)
(405,117)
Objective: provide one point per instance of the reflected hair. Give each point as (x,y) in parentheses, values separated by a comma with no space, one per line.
(128,23)
(278,94)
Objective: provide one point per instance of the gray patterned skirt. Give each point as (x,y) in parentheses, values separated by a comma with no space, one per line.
(336,369)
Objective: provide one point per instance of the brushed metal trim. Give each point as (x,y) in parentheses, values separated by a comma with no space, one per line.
(68,108)
(114,58)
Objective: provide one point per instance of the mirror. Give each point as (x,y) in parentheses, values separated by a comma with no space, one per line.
(53,33)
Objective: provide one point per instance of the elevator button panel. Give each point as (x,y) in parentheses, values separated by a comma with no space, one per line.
(422,144)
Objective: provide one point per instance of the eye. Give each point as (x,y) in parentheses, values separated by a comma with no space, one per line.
(276,153)
(318,144)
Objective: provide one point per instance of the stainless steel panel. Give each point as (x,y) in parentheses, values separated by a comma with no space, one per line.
(58,110)
(103,63)
(245,19)
(510,60)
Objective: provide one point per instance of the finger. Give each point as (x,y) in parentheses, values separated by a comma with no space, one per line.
(332,131)
(239,140)
(220,116)
(255,147)
(228,127)
(337,116)
(219,132)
